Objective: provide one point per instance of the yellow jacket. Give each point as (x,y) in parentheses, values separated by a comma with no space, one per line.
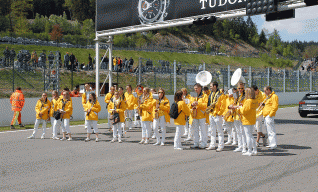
(248,112)
(93,115)
(181,120)
(114,62)
(54,105)
(131,101)
(271,105)
(42,107)
(221,107)
(147,109)
(239,101)
(136,101)
(202,104)
(84,101)
(120,108)
(68,108)
(164,109)
(260,97)
(228,101)
(108,97)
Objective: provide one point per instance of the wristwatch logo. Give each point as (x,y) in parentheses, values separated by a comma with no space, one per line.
(151,11)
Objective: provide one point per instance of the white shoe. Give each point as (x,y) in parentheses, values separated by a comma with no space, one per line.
(156,143)
(244,150)
(211,148)
(146,142)
(179,148)
(219,149)
(69,139)
(96,140)
(162,144)
(120,141)
(184,135)
(31,137)
(271,147)
(254,153)
(238,149)
(55,138)
(202,146)
(87,139)
(228,143)
(42,137)
(153,137)
(247,153)
(142,141)
(63,139)
(113,140)
(234,143)
(188,139)
(195,146)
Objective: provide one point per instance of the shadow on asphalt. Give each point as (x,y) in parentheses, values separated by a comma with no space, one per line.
(293,147)
(301,122)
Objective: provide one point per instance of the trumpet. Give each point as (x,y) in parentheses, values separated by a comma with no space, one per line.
(210,108)
(259,110)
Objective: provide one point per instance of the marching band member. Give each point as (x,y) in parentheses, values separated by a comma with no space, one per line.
(117,105)
(65,107)
(123,98)
(198,107)
(139,93)
(187,128)
(146,108)
(85,98)
(108,98)
(215,101)
(260,97)
(161,116)
(269,112)
(206,91)
(228,117)
(180,122)
(130,103)
(237,119)
(152,127)
(248,111)
(92,108)
(42,114)
(54,102)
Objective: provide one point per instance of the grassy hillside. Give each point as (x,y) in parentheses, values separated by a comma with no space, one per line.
(82,56)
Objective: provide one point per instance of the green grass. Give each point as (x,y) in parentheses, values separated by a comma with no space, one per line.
(286,106)
(31,126)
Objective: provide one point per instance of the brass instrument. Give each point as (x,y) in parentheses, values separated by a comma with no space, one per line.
(87,114)
(259,110)
(210,108)
(140,102)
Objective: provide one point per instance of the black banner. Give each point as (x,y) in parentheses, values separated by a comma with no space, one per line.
(113,14)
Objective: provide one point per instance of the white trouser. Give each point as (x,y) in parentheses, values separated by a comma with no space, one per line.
(216,125)
(117,130)
(162,123)
(198,125)
(130,115)
(177,137)
(241,139)
(251,143)
(229,126)
(137,122)
(186,128)
(258,124)
(146,130)
(271,131)
(58,128)
(65,124)
(91,124)
(36,126)
(108,121)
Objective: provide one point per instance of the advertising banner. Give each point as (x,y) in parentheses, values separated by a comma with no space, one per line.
(113,14)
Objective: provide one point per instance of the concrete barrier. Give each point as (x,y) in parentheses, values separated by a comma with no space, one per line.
(28,112)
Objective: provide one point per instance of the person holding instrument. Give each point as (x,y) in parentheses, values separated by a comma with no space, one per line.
(228,117)
(108,98)
(42,114)
(65,107)
(130,103)
(187,128)
(54,103)
(161,116)
(117,105)
(92,108)
(260,97)
(146,110)
(248,111)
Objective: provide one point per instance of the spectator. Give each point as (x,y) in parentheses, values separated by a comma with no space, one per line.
(82,66)
(120,64)
(72,59)
(131,64)
(66,60)
(75,93)
(51,59)
(12,56)
(6,54)
(43,59)
(17,102)
(76,64)
(125,62)
(34,58)
(90,62)
(115,64)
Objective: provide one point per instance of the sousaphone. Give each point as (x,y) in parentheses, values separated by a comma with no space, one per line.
(237,77)
(203,78)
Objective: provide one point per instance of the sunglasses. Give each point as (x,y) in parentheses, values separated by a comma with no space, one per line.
(240,88)
(160,92)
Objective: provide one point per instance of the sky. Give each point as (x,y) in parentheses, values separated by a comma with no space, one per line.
(304,27)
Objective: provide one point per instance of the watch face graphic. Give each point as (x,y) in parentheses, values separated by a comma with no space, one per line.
(152,10)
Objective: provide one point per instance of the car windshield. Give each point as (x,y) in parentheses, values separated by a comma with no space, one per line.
(310,97)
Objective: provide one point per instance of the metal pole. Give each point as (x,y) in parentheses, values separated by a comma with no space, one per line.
(267,76)
(297,80)
(284,83)
(139,68)
(12,77)
(44,78)
(110,65)
(310,80)
(155,79)
(96,68)
(228,76)
(175,75)
(250,76)
(203,66)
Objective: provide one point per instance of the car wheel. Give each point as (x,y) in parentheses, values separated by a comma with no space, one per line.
(303,114)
